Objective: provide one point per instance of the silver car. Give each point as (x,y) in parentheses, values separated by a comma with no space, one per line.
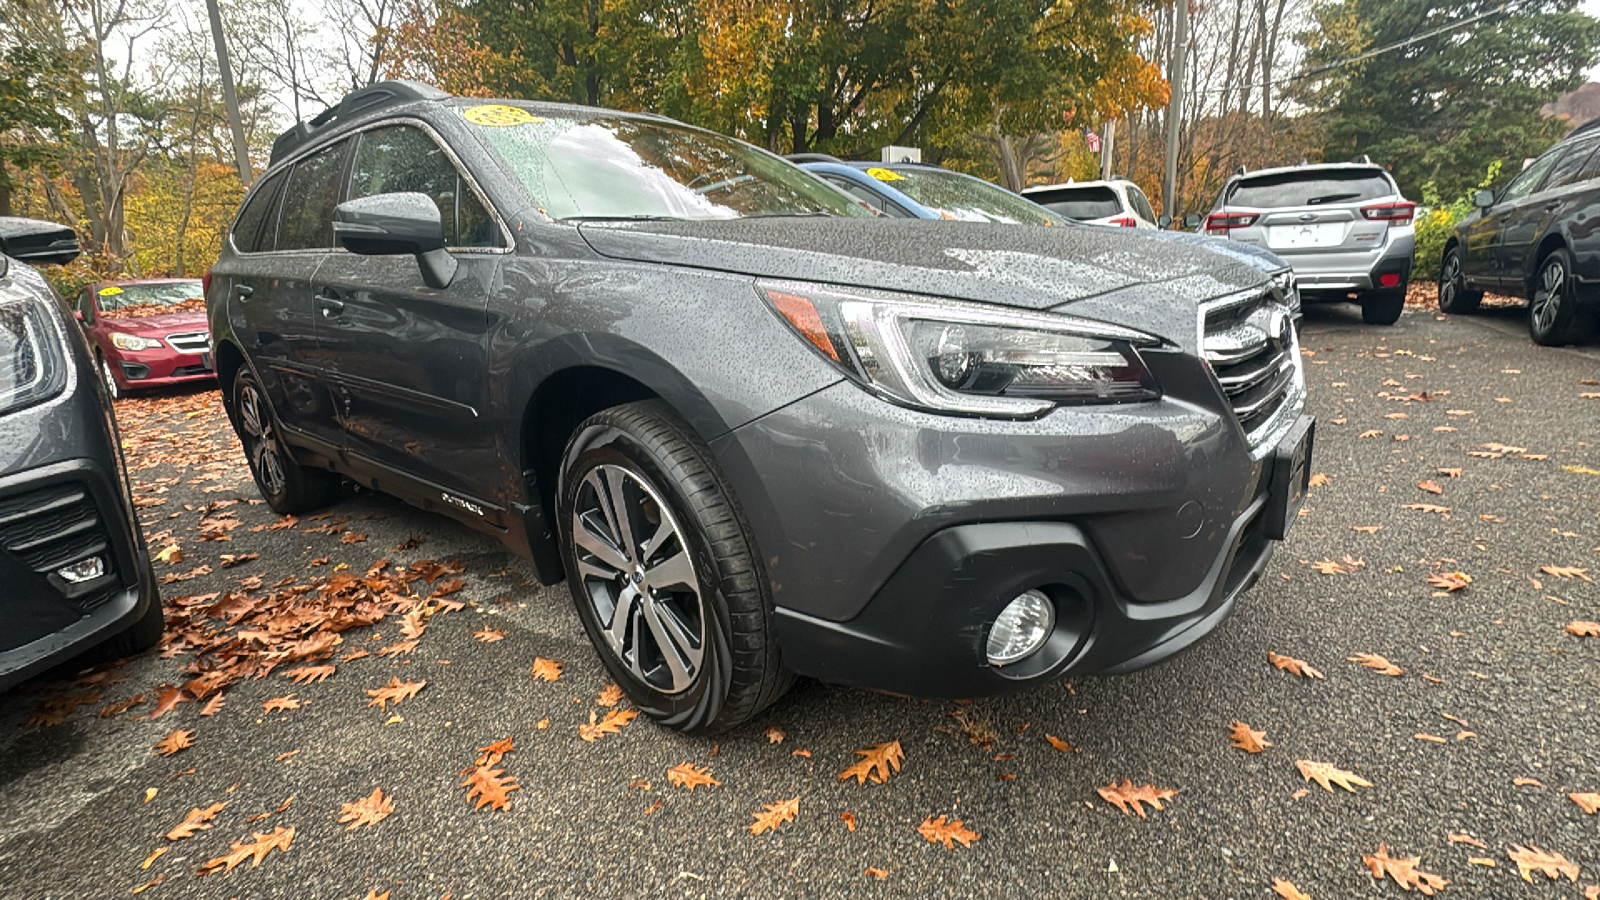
(1344,228)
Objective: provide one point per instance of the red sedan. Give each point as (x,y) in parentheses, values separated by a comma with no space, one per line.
(147,333)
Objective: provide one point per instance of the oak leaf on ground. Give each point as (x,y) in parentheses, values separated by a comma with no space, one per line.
(214,705)
(1327,775)
(775,814)
(1567,572)
(1128,798)
(949,832)
(1376,663)
(1288,891)
(368,811)
(1426,507)
(394,692)
(309,674)
(488,635)
(1059,744)
(1455,837)
(849,820)
(546,669)
(1449,581)
(609,696)
(1583,629)
(491,786)
(1403,870)
(875,763)
(689,777)
(1530,859)
(198,819)
(774,734)
(174,742)
(1293,666)
(1589,803)
(166,700)
(1247,739)
(281,704)
(279,839)
(613,723)
(489,754)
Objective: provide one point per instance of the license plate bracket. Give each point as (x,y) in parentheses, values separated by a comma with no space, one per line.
(1291,477)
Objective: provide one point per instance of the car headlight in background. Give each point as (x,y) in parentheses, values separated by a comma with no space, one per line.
(133,342)
(33,362)
(966,358)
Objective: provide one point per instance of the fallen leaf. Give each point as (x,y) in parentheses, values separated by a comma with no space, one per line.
(849,819)
(174,742)
(1583,629)
(1431,738)
(1293,666)
(1426,507)
(352,537)
(939,830)
(490,754)
(1376,663)
(491,786)
(774,734)
(546,669)
(1404,871)
(281,704)
(1589,803)
(1367,529)
(1247,739)
(1125,795)
(1317,480)
(613,723)
(1527,782)
(155,855)
(1567,572)
(1327,775)
(1449,581)
(394,692)
(1431,487)
(489,635)
(1458,838)
(368,811)
(609,696)
(1288,891)
(310,674)
(1450,473)
(1370,434)
(1530,859)
(875,763)
(1059,744)
(263,844)
(688,777)
(874,872)
(197,820)
(166,700)
(775,814)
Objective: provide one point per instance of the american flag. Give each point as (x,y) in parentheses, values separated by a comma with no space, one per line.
(1093,140)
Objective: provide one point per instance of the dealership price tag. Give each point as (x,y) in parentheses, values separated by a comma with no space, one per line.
(110,291)
(883,174)
(498,115)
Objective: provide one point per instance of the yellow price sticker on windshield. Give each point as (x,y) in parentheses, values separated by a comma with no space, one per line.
(498,115)
(883,174)
(110,291)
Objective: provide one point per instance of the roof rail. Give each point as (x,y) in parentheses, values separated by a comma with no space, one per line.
(811,157)
(1242,170)
(363,100)
(1590,125)
(1364,159)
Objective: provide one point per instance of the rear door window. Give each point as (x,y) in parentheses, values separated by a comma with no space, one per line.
(400,158)
(309,198)
(1080,203)
(1141,204)
(1530,179)
(256,229)
(1570,168)
(1314,187)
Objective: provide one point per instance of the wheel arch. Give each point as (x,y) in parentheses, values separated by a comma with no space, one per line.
(1549,244)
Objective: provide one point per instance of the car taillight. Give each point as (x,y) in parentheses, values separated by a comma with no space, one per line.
(1125,222)
(1222,223)
(1393,213)
(205,283)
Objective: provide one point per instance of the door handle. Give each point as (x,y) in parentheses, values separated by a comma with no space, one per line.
(1552,206)
(243,291)
(330,306)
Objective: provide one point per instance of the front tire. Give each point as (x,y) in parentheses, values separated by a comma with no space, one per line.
(110,379)
(664,572)
(1553,316)
(288,487)
(1454,296)
(1382,307)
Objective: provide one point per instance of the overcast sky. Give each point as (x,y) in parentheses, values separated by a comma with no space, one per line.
(1592,7)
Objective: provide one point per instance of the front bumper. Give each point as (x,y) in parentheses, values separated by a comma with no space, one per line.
(160,368)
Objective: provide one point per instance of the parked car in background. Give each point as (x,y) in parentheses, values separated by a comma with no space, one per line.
(1114,202)
(757,429)
(1344,228)
(1539,239)
(147,333)
(916,191)
(75,580)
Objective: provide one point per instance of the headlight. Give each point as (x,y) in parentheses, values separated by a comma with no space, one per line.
(133,342)
(33,363)
(966,358)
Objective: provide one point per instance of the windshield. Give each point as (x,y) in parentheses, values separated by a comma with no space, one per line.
(1080,203)
(967,199)
(1312,187)
(133,300)
(617,167)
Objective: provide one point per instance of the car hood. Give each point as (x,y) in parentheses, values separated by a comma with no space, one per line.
(1113,275)
(161,325)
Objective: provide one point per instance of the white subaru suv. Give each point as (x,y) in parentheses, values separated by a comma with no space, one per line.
(1117,202)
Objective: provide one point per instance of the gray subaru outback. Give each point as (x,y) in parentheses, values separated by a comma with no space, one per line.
(758,431)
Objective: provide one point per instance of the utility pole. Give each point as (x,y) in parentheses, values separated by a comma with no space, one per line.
(230,98)
(1180,55)
(1108,149)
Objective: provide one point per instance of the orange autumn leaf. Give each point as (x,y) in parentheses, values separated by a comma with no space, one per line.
(1431,487)
(488,635)
(1288,891)
(774,734)
(394,692)
(174,742)
(1458,838)
(197,820)
(1376,663)
(1583,629)
(775,814)
(849,820)
(352,537)
(1248,739)
(546,669)
(489,754)
(1327,775)
(875,763)
(368,811)
(1449,581)
(1128,798)
(688,777)
(1532,859)
(1567,572)
(309,674)
(939,830)
(256,850)
(1589,803)
(166,700)
(281,704)
(609,696)
(1403,870)
(613,723)
(1059,744)
(875,872)
(1293,666)
(491,786)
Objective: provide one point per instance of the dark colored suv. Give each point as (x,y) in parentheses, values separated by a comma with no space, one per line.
(759,431)
(1539,239)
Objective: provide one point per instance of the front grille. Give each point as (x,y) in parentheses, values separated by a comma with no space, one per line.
(190,342)
(51,527)
(1250,345)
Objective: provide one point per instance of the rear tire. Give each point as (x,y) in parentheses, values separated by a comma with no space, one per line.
(288,487)
(664,572)
(1382,307)
(1454,296)
(1553,315)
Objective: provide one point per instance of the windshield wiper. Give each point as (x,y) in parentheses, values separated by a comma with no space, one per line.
(793,215)
(634,218)
(1331,198)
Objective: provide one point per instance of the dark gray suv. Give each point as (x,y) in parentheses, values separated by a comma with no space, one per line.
(759,431)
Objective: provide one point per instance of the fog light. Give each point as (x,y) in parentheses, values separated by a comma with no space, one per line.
(1022,628)
(82,570)
(1389,279)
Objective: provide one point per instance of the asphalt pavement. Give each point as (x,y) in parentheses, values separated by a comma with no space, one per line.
(1491,724)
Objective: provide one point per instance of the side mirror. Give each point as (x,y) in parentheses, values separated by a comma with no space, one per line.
(36,242)
(388,224)
(1482,199)
(78,314)
(1164,222)
(1192,221)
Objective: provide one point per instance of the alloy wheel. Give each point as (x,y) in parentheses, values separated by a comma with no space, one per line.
(635,569)
(1547,297)
(266,457)
(110,379)
(1449,280)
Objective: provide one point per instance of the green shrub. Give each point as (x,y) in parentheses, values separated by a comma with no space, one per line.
(1434,226)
